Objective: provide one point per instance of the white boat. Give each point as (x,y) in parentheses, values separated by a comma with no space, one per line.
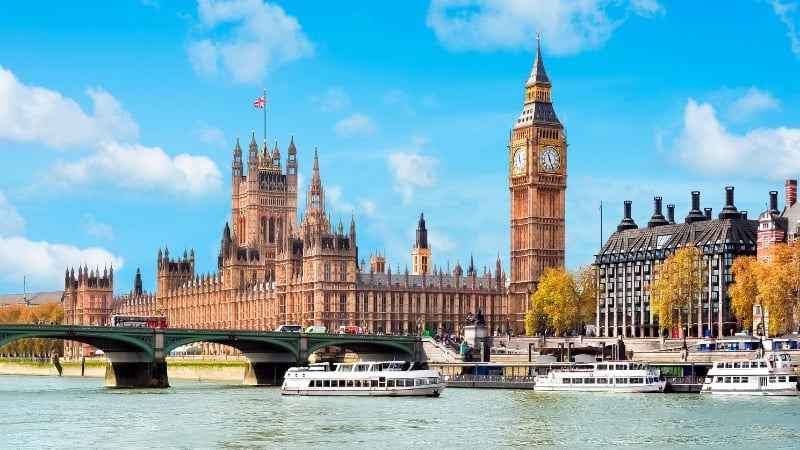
(771,375)
(363,378)
(602,376)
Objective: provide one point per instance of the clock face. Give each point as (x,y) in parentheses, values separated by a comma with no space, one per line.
(519,160)
(550,159)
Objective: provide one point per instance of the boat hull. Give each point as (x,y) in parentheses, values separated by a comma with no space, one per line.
(428,391)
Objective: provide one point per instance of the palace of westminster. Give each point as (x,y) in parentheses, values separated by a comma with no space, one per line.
(272,271)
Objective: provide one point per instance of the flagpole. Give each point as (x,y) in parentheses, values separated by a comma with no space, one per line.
(265,116)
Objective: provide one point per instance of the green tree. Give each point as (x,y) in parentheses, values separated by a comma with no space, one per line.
(678,288)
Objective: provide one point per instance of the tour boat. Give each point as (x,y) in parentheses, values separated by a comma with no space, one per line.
(602,376)
(771,375)
(363,378)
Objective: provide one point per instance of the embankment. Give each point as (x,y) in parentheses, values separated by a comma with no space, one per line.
(176,370)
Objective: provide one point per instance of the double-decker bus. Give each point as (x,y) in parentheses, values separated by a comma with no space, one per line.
(127,320)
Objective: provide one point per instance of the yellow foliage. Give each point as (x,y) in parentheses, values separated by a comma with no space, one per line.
(746,271)
(563,300)
(677,288)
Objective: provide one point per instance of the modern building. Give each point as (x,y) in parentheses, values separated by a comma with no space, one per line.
(627,262)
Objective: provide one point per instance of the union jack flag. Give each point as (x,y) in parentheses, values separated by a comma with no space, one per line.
(260,102)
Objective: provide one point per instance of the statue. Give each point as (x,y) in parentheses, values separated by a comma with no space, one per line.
(479,320)
(469,320)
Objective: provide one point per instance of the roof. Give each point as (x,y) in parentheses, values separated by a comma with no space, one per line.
(33,298)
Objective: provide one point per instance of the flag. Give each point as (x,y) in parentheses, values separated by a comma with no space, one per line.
(260,102)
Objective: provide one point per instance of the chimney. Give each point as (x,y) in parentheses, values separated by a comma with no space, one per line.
(695,215)
(671,213)
(658,218)
(773,203)
(708,213)
(627,222)
(791,192)
(729,210)
(743,215)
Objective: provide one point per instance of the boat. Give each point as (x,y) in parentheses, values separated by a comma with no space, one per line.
(772,374)
(363,378)
(602,376)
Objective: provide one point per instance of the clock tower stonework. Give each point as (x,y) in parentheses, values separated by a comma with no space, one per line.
(538,182)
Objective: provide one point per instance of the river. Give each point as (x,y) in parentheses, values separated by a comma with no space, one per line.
(79,413)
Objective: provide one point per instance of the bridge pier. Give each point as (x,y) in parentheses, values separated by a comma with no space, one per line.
(267,369)
(152,374)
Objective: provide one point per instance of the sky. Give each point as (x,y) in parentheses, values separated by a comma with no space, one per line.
(118,121)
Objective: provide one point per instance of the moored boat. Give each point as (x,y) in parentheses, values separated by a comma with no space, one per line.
(602,376)
(772,374)
(363,378)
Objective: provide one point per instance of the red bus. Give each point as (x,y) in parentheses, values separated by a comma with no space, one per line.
(126,320)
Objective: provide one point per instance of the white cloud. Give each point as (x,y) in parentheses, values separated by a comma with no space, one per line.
(411,170)
(11,222)
(706,146)
(146,168)
(208,134)
(355,125)
(42,262)
(245,37)
(782,10)
(97,229)
(753,102)
(334,99)
(568,27)
(36,114)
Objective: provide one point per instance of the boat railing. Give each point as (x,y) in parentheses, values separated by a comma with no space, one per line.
(491,378)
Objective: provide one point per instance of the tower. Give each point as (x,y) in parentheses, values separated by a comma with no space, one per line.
(538,181)
(421,254)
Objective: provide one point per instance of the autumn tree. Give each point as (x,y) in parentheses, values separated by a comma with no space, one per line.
(562,301)
(48,312)
(743,292)
(677,290)
(779,287)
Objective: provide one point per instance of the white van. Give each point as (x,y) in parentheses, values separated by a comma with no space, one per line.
(316,329)
(289,328)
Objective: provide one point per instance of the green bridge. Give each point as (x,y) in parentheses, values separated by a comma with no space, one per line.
(137,356)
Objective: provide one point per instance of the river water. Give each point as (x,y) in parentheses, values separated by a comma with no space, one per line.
(79,413)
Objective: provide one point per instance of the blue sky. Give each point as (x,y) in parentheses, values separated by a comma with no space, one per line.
(118,121)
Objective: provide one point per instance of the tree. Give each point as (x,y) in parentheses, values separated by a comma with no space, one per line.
(678,288)
(562,301)
(48,312)
(743,292)
(779,287)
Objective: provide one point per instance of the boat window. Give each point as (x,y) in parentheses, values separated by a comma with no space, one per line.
(637,380)
(792,379)
(737,365)
(577,381)
(727,379)
(728,365)
(588,381)
(622,381)
(621,367)
(772,379)
(745,379)
(601,367)
(720,380)
(782,379)
(602,381)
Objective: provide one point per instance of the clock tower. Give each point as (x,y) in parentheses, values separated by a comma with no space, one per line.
(538,182)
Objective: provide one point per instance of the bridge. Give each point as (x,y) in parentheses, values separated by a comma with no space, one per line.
(137,356)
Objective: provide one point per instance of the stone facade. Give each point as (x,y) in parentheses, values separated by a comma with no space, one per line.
(271,273)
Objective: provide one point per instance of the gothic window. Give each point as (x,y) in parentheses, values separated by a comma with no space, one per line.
(263,230)
(383,303)
(326,276)
(271,230)
(326,302)
(343,272)
(342,302)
